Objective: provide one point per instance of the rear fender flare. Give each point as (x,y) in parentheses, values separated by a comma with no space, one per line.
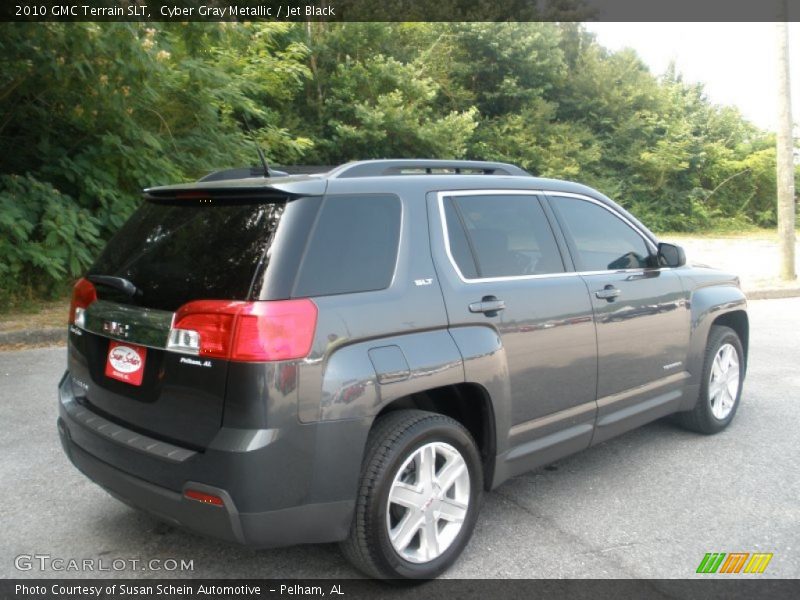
(360,379)
(486,364)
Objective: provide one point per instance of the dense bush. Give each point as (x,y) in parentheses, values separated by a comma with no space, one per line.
(90,114)
(93,113)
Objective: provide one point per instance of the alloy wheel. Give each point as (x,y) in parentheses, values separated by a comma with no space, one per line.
(428,502)
(723,385)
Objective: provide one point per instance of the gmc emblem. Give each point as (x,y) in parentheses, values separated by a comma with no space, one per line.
(116,329)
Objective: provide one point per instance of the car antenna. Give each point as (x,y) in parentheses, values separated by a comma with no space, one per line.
(258,148)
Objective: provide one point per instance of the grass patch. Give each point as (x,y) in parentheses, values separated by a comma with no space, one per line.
(17,347)
(36,314)
(755,233)
(748,232)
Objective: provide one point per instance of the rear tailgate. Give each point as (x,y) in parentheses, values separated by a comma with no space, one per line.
(173,252)
(180,399)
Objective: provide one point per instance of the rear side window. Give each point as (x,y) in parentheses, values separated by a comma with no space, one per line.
(601,240)
(500,236)
(177,253)
(353,247)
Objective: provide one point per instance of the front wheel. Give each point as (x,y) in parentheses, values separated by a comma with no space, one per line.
(721,390)
(420,491)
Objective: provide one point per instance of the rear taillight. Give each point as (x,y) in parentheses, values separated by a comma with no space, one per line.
(83,294)
(245,331)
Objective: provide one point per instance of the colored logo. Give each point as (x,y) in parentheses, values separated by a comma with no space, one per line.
(125,359)
(126,362)
(734,562)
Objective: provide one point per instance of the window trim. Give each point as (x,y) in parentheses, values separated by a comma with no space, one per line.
(467,237)
(537,195)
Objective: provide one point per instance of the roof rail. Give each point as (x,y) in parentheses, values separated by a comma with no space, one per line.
(306,169)
(378,168)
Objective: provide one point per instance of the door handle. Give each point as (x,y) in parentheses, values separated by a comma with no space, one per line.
(608,293)
(489,305)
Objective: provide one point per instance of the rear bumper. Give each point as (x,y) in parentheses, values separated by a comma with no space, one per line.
(108,459)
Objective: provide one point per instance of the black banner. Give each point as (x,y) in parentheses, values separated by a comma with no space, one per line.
(401,10)
(732,588)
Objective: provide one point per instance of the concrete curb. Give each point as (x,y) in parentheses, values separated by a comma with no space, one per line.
(50,335)
(772,294)
(54,335)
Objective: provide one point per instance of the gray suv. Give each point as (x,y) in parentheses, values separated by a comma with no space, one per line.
(356,356)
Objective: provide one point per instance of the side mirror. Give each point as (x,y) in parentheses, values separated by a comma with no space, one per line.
(671,255)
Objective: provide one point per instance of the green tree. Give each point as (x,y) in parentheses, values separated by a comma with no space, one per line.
(92,113)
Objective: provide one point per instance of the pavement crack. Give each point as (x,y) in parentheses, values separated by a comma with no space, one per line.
(572,537)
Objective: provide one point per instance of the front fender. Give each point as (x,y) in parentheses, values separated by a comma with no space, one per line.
(708,303)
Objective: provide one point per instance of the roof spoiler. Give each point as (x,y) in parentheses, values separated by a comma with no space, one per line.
(239,190)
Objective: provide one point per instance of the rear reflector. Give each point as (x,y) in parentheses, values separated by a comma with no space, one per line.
(83,294)
(245,331)
(204,498)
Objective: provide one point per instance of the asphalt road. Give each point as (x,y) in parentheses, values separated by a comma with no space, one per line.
(649,504)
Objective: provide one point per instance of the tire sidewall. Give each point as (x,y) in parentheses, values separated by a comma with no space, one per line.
(414,438)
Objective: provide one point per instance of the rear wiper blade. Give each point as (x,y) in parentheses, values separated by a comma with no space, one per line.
(118,283)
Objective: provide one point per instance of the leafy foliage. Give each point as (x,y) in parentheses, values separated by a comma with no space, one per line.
(90,114)
(44,235)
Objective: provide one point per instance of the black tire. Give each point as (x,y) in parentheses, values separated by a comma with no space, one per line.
(394,438)
(702,419)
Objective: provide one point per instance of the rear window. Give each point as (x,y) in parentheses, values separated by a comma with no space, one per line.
(353,247)
(177,253)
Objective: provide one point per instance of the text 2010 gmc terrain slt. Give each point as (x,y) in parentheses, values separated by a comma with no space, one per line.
(357,356)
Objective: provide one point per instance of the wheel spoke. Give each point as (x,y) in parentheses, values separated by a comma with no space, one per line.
(716,368)
(452,510)
(407,495)
(452,470)
(725,358)
(713,390)
(426,467)
(406,529)
(716,406)
(430,538)
(733,386)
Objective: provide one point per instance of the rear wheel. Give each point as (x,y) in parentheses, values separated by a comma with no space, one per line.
(420,491)
(721,390)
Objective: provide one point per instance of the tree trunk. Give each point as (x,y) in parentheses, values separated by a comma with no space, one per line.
(785,159)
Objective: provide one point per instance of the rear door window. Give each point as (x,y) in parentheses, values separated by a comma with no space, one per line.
(353,247)
(503,235)
(177,253)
